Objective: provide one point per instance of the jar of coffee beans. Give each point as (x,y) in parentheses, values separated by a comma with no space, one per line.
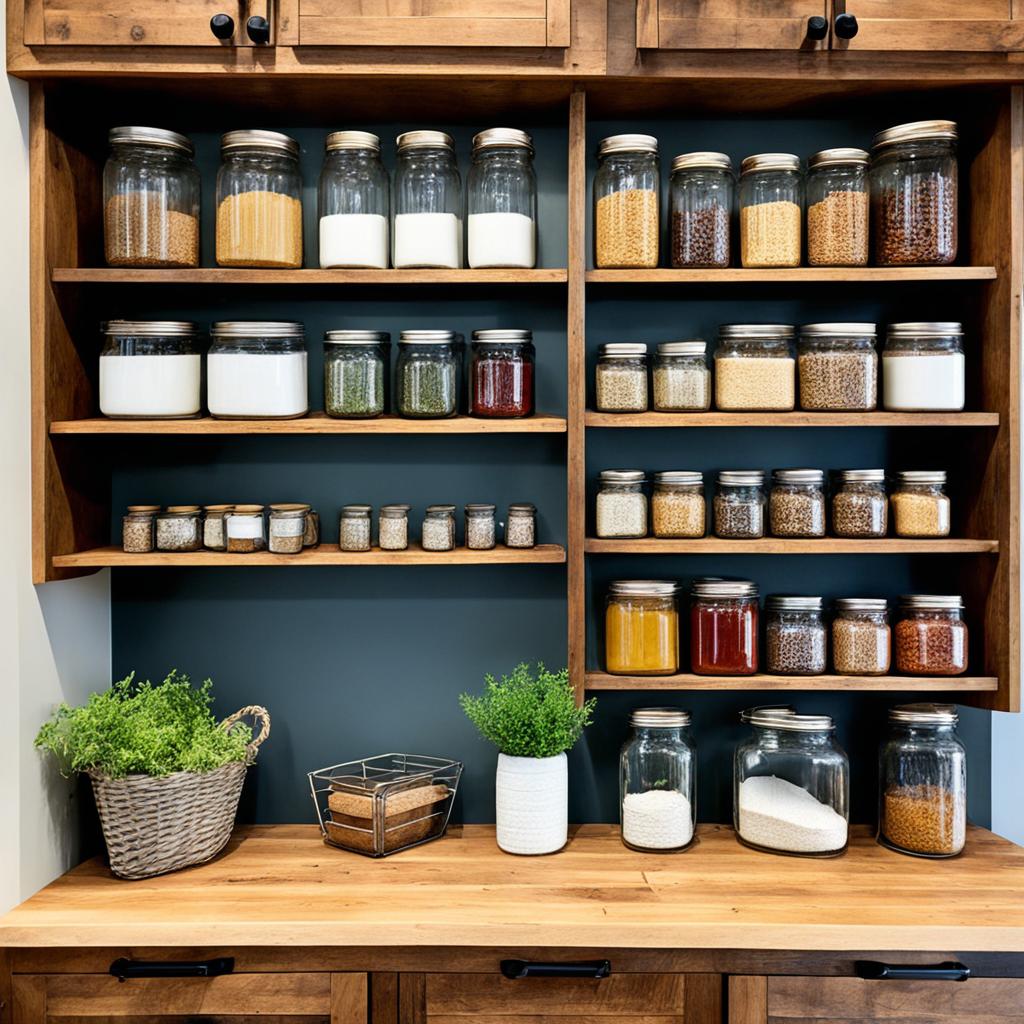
(621,504)
(626,200)
(837,208)
(860,636)
(931,635)
(771,210)
(920,506)
(838,367)
(700,200)
(739,504)
(682,380)
(621,384)
(796,507)
(859,504)
(677,505)
(795,636)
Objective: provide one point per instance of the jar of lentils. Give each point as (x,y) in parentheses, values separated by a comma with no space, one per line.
(771,210)
(700,200)
(354,528)
(682,380)
(677,505)
(622,504)
(426,375)
(287,528)
(723,627)
(480,531)
(920,507)
(838,367)
(795,636)
(215,536)
(861,639)
(521,525)
(179,528)
(354,373)
(393,527)
(931,635)
(755,368)
(245,530)
(438,532)
(837,208)
(859,504)
(621,384)
(739,504)
(796,506)
(138,528)
(502,374)
(626,200)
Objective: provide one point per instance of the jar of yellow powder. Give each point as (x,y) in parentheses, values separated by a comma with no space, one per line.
(642,628)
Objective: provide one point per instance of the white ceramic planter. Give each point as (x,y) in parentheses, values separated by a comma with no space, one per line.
(532,803)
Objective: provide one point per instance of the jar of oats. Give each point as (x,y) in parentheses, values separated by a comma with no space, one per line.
(838,367)
(354,528)
(393,527)
(754,367)
(626,200)
(837,208)
(621,380)
(771,210)
(682,380)
(859,505)
(796,507)
(739,504)
(622,504)
(920,506)
(860,636)
(677,505)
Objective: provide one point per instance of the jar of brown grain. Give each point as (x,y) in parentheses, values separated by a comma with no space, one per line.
(931,635)
(771,210)
(626,201)
(837,208)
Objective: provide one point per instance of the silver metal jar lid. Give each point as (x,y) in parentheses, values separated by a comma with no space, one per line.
(630,143)
(921,476)
(702,161)
(502,336)
(357,337)
(424,140)
(257,138)
(770,162)
(711,586)
(352,140)
(679,477)
(915,131)
(861,604)
(840,157)
(440,510)
(924,713)
(741,477)
(862,476)
(931,602)
(839,330)
(480,509)
(799,476)
(643,588)
(659,718)
(765,709)
(142,136)
(623,349)
(149,328)
(493,138)
(257,329)
(395,511)
(522,508)
(925,329)
(696,347)
(426,338)
(789,721)
(756,332)
(791,603)
(355,511)
(623,476)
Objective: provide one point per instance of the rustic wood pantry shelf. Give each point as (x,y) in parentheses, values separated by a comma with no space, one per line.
(789,546)
(887,684)
(802,275)
(792,419)
(232,275)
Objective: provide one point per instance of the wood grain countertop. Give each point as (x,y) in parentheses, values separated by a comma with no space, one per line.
(280,885)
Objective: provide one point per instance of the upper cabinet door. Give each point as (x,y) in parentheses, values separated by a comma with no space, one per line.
(731,24)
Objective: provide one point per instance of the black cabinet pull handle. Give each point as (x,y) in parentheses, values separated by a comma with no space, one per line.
(817,27)
(258,29)
(951,970)
(123,969)
(222,26)
(846,26)
(516,969)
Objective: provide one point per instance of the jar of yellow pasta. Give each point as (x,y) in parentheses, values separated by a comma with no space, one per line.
(642,628)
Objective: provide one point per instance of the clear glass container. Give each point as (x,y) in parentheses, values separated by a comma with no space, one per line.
(286,528)
(259,201)
(502,200)
(796,641)
(923,367)
(427,228)
(723,627)
(355,372)
(245,529)
(657,781)
(922,773)
(438,533)
(502,374)
(920,506)
(861,639)
(796,505)
(739,504)
(426,375)
(682,380)
(626,201)
(354,528)
(700,201)
(393,527)
(138,529)
(621,504)
(179,528)
(859,505)
(771,210)
(678,508)
(754,368)
(791,784)
(521,525)
(150,199)
(931,635)
(354,202)
(621,377)
(837,208)
(215,535)
(914,194)
(480,527)
(838,367)
(641,628)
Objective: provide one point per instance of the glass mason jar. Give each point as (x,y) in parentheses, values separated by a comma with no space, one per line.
(838,367)
(923,367)
(179,528)
(837,208)
(861,640)
(138,528)
(621,503)
(641,628)
(354,528)
(287,528)
(393,527)
(354,202)
(859,505)
(502,377)
(920,506)
(621,378)
(480,527)
(739,504)
(796,642)
(259,201)
(931,635)
(682,380)
(626,201)
(427,228)
(150,369)
(700,203)
(657,781)
(355,369)
(723,627)
(754,367)
(502,200)
(215,536)
(677,505)
(257,370)
(521,525)
(914,194)
(438,533)
(150,199)
(426,375)
(245,529)
(922,782)
(791,784)
(796,505)
(771,210)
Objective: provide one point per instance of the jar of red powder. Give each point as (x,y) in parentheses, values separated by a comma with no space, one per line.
(723,627)
(502,376)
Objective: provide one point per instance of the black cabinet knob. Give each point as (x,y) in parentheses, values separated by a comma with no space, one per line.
(258,29)
(817,27)
(222,26)
(846,26)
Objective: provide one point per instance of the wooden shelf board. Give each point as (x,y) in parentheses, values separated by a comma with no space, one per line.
(896,684)
(233,275)
(792,419)
(790,546)
(734,275)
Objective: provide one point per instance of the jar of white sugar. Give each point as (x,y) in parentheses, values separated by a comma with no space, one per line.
(923,367)
(791,784)
(502,200)
(622,504)
(656,781)
(354,202)
(427,229)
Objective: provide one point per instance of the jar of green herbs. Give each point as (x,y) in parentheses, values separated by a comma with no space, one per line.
(355,367)
(426,375)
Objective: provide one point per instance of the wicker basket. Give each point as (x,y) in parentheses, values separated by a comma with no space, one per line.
(155,825)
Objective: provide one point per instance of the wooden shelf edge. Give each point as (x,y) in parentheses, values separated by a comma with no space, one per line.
(791,419)
(786,546)
(897,684)
(232,275)
(734,275)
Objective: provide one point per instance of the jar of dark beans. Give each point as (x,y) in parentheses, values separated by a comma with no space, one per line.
(739,504)
(138,527)
(502,374)
(179,528)
(480,530)
(700,197)
(795,636)
(859,504)
(930,635)
(796,507)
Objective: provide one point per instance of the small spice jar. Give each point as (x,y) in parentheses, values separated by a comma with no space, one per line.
(354,528)
(355,368)
(621,379)
(723,627)
(245,529)
(622,504)
(796,505)
(771,198)
(861,640)
(795,638)
(480,527)
(393,527)
(931,635)
(521,525)
(426,374)
(700,200)
(287,528)
(922,782)
(739,504)
(138,529)
(215,537)
(754,367)
(677,504)
(859,504)
(914,194)
(626,201)
(641,628)
(438,533)
(920,507)
(427,230)
(502,200)
(682,380)
(837,208)
(179,528)
(923,367)
(657,781)
(501,379)
(838,367)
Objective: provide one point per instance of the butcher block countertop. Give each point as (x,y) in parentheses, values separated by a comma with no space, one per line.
(280,885)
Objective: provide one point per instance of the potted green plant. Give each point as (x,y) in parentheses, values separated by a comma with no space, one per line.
(167,776)
(533,719)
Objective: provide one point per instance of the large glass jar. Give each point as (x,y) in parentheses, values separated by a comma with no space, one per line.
(179,528)
(257,370)
(502,200)
(771,210)
(150,199)
(739,504)
(859,504)
(923,367)
(723,627)
(838,367)
(677,505)
(259,201)
(796,641)
(657,781)
(438,531)
(502,378)
(931,635)
(641,628)
(861,640)
(682,380)
(355,196)
(920,506)
(914,194)
(149,369)
(355,369)
(245,529)
(837,208)
(922,782)
(791,784)
(521,525)
(621,504)
(700,201)
(626,201)
(427,229)
(796,505)
(754,367)
(621,378)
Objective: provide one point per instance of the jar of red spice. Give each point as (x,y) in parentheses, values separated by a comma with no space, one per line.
(930,636)
(723,627)
(502,375)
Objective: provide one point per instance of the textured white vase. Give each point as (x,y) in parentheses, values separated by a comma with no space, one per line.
(532,803)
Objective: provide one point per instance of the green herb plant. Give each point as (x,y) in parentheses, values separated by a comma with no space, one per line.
(527,715)
(142,729)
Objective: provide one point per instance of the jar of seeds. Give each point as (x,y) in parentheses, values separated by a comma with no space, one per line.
(860,636)
(837,208)
(393,527)
(859,505)
(754,367)
(138,528)
(931,635)
(354,370)
(700,197)
(245,529)
(179,528)
(480,531)
(677,505)
(920,507)
(796,506)
(354,528)
(215,536)
(426,375)
(311,538)
(682,380)
(838,367)
(521,526)
(438,532)
(739,504)
(771,205)
(622,377)
(626,200)
(795,636)
(622,504)
(287,528)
